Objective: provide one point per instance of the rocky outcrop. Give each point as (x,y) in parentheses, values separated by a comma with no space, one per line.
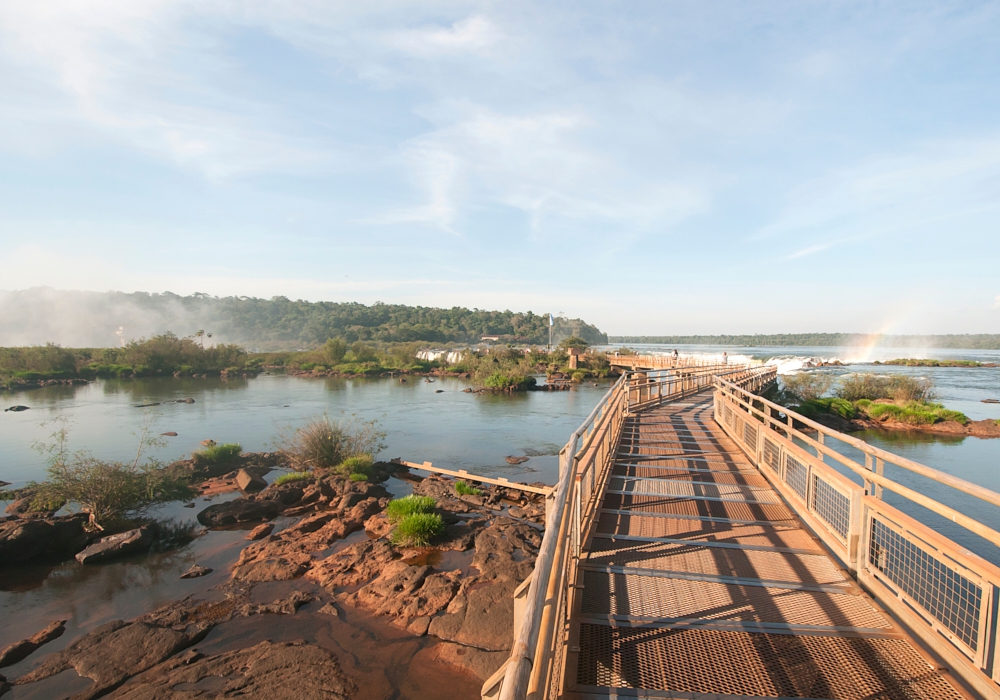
(21,650)
(24,539)
(249,482)
(114,652)
(120,545)
(277,671)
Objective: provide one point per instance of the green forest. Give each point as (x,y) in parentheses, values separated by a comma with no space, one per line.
(89,319)
(967,341)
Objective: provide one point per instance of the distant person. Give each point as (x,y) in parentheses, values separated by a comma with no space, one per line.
(675,354)
(725,358)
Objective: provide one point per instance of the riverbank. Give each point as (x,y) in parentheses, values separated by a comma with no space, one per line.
(324,549)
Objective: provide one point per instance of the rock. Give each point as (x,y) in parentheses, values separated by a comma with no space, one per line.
(419,626)
(196,571)
(991,400)
(358,563)
(378,526)
(21,540)
(4,483)
(481,617)
(261,531)
(482,663)
(439,391)
(188,400)
(240,510)
(19,507)
(120,545)
(114,652)
(286,606)
(189,505)
(170,434)
(277,671)
(207,443)
(271,569)
(16,409)
(248,482)
(20,650)
(285,494)
(329,609)
(515,460)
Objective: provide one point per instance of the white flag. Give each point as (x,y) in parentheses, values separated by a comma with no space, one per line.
(552,321)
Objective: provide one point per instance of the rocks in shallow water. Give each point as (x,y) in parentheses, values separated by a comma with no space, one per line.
(240,510)
(277,671)
(260,532)
(4,483)
(481,663)
(20,650)
(19,507)
(270,569)
(16,409)
(515,460)
(207,443)
(196,571)
(21,540)
(120,545)
(114,652)
(168,434)
(189,505)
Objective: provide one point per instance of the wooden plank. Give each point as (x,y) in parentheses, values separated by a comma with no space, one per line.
(462,474)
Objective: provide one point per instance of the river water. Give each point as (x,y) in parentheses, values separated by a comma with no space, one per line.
(452,429)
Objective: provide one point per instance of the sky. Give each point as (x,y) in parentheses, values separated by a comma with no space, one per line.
(651,167)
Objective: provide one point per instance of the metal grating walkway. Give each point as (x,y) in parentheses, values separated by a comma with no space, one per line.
(699,582)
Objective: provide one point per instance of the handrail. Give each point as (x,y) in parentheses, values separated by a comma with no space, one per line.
(867,474)
(946,594)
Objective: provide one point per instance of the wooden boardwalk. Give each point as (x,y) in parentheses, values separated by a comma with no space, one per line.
(699,582)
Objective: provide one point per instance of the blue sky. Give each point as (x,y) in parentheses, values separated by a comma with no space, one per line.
(653,167)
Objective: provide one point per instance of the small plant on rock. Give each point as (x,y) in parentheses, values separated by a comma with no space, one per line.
(292,477)
(358,477)
(400,508)
(418,529)
(217,454)
(463,489)
(358,464)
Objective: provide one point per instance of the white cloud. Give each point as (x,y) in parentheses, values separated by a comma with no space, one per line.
(996,303)
(810,250)
(473,34)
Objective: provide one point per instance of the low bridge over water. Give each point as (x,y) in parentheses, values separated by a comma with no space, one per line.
(703,542)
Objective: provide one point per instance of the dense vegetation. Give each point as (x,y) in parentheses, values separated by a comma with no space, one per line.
(161,354)
(273,323)
(880,397)
(838,340)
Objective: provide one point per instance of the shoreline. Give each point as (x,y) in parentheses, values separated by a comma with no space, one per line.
(330,573)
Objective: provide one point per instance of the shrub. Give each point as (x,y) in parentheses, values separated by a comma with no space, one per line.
(507,380)
(915,413)
(579,375)
(418,529)
(409,505)
(358,464)
(324,443)
(217,454)
(463,489)
(898,387)
(807,386)
(292,477)
(358,477)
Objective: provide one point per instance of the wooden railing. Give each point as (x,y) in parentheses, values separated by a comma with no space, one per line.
(659,361)
(946,594)
(543,602)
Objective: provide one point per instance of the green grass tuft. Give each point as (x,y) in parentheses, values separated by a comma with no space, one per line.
(217,454)
(358,464)
(410,505)
(358,477)
(418,529)
(463,489)
(915,413)
(292,477)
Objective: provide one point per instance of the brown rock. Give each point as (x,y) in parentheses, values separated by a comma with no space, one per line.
(271,569)
(120,545)
(196,572)
(481,617)
(378,526)
(285,671)
(20,650)
(23,539)
(249,482)
(352,565)
(261,531)
(114,652)
(482,663)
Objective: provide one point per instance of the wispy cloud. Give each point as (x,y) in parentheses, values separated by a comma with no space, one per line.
(811,250)
(472,34)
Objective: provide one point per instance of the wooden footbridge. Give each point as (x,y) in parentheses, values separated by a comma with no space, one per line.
(703,542)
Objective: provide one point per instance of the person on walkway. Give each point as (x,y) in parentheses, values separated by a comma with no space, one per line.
(725,358)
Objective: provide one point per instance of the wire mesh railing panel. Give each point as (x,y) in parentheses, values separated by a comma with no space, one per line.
(772,455)
(832,506)
(750,435)
(796,476)
(951,598)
